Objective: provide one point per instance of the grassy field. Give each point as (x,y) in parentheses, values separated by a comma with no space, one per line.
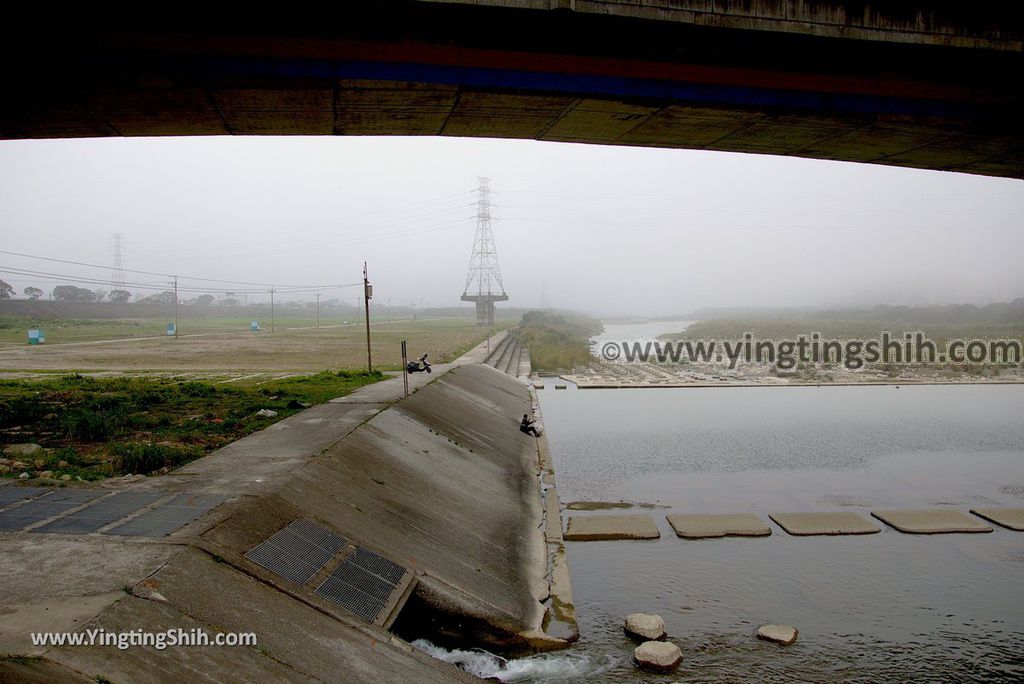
(14,329)
(203,345)
(94,428)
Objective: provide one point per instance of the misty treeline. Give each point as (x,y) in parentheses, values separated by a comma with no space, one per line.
(945,322)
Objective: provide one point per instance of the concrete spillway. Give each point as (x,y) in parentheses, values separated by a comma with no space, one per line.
(440,486)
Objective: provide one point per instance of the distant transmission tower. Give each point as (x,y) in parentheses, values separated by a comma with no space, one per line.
(117,265)
(483,283)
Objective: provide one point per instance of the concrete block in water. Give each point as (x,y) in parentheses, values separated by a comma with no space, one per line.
(931,521)
(1011,518)
(833,522)
(606,527)
(701,526)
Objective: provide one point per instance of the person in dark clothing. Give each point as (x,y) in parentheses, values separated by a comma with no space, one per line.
(527,426)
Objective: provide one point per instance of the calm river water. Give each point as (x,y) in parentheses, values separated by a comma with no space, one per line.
(888,607)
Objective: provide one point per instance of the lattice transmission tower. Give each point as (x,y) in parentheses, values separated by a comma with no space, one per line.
(117,261)
(483,283)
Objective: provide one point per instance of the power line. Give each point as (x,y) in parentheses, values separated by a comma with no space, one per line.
(168,275)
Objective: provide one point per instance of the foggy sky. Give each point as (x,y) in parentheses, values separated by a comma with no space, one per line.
(607,230)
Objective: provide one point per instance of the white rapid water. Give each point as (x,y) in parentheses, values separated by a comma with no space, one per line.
(564,666)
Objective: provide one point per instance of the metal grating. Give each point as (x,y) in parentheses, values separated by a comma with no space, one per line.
(297,552)
(9,495)
(351,598)
(45,507)
(377,564)
(165,519)
(101,513)
(363,583)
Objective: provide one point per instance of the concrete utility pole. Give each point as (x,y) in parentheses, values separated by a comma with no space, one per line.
(175,307)
(271,309)
(405,368)
(317,310)
(367,295)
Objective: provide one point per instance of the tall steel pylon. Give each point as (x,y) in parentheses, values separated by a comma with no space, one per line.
(117,264)
(483,282)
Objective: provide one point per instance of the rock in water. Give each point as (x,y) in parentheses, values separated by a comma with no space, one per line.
(660,656)
(645,626)
(780,634)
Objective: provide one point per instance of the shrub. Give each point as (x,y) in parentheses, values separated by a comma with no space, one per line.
(144,458)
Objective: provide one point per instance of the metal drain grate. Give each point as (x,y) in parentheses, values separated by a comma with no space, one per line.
(45,507)
(377,564)
(351,598)
(9,495)
(297,552)
(165,519)
(363,583)
(101,513)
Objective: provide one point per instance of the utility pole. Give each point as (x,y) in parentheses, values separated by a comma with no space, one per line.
(389,311)
(175,307)
(271,309)
(367,295)
(405,368)
(317,310)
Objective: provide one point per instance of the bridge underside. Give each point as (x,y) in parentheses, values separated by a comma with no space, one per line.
(411,68)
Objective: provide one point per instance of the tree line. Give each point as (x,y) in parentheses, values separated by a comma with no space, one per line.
(73,293)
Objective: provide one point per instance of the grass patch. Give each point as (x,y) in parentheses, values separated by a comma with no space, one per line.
(101,427)
(557,341)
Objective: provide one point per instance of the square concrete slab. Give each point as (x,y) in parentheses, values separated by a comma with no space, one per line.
(931,521)
(1011,518)
(834,522)
(602,527)
(701,526)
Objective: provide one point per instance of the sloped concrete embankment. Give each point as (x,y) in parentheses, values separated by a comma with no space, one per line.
(442,483)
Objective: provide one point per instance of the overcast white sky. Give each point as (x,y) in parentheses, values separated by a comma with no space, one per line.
(608,230)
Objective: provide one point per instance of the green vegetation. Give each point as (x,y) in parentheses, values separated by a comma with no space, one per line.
(99,427)
(557,341)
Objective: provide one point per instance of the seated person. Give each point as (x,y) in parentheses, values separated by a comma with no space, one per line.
(526,426)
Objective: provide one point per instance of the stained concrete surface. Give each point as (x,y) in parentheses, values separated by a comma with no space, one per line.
(608,527)
(823,523)
(699,526)
(931,521)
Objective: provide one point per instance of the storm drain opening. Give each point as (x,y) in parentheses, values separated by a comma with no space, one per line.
(298,551)
(364,583)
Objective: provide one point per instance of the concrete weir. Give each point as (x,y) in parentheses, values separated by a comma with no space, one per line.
(438,491)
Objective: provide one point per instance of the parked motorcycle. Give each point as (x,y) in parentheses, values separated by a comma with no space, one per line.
(419,365)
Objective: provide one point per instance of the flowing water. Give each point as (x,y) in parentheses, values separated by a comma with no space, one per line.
(888,607)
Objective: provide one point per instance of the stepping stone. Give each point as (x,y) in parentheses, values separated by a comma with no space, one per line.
(835,522)
(604,527)
(1011,518)
(700,526)
(645,626)
(931,521)
(780,634)
(659,656)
